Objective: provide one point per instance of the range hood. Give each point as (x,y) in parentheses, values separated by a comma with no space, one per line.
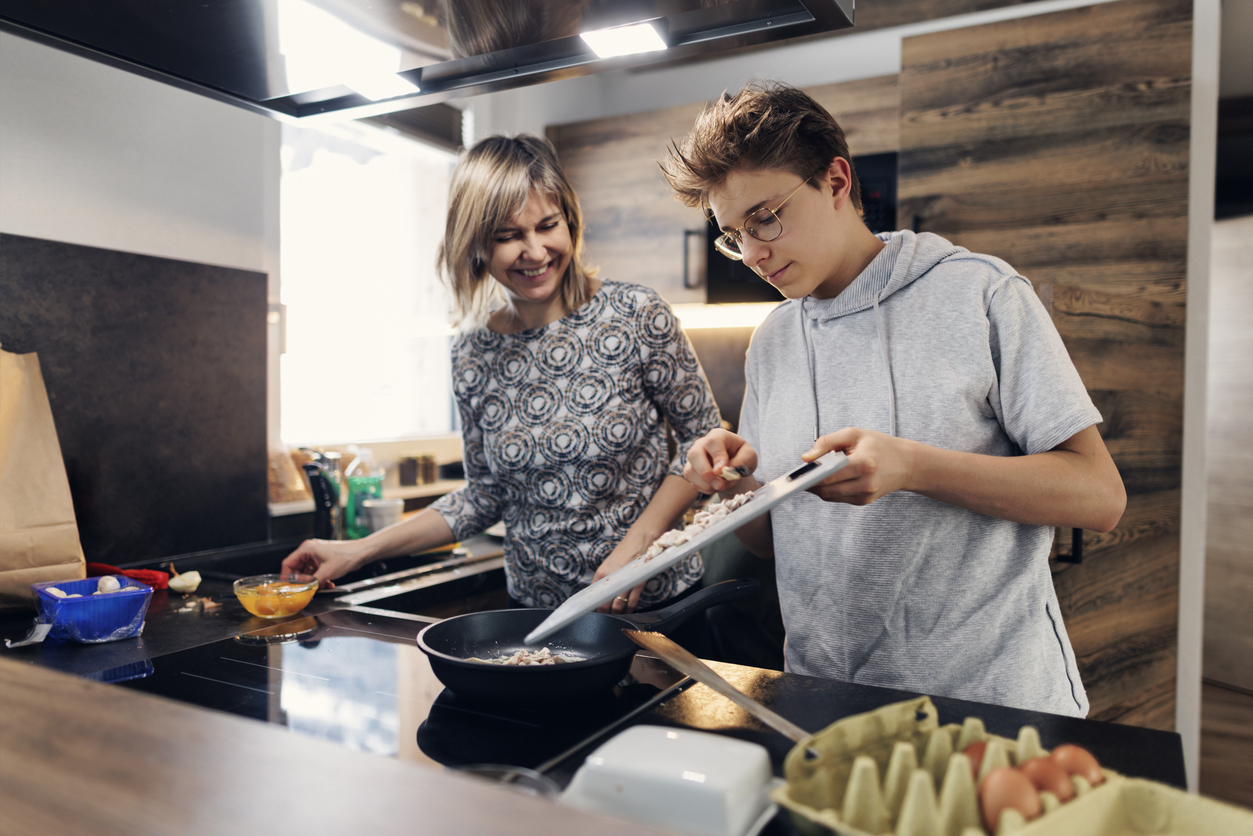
(308,59)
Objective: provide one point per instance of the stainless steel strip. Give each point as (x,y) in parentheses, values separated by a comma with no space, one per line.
(463,569)
(463,557)
(423,619)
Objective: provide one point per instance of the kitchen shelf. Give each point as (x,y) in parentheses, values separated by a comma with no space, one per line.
(439,488)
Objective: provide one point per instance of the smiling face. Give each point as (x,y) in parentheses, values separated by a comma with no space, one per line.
(819,252)
(530,255)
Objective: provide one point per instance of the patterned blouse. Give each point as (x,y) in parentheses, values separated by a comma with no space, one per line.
(563,437)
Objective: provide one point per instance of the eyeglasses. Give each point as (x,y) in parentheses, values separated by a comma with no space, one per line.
(764,225)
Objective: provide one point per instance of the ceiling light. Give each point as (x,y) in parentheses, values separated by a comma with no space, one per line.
(624,40)
(320,50)
(382,86)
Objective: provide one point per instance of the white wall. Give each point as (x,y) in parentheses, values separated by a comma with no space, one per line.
(93,155)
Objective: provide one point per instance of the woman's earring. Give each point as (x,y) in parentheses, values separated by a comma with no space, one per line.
(477,265)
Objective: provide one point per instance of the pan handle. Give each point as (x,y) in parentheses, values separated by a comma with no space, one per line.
(660,621)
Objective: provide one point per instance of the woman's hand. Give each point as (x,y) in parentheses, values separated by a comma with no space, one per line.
(619,557)
(878,464)
(709,455)
(324,559)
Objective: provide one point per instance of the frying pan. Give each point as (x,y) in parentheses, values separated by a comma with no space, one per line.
(596,638)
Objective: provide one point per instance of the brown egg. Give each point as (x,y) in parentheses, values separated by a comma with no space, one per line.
(975,752)
(1006,787)
(1078,761)
(1046,774)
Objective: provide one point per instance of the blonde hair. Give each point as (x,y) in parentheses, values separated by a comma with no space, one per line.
(490,186)
(766,125)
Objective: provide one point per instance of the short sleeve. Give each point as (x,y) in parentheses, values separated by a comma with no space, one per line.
(1039,397)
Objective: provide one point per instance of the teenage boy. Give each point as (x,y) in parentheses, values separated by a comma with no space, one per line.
(923,564)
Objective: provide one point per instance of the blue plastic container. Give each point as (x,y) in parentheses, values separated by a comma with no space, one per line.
(92,618)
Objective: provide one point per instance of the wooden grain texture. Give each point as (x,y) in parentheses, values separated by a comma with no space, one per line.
(1060,143)
(1229,530)
(81,757)
(877,14)
(634,225)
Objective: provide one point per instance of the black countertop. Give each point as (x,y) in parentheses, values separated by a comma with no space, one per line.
(168,628)
(814,703)
(184,644)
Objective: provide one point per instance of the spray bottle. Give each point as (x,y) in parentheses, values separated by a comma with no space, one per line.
(365,481)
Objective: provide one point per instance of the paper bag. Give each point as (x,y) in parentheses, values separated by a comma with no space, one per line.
(38,534)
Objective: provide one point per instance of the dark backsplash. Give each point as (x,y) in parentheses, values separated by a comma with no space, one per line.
(156,372)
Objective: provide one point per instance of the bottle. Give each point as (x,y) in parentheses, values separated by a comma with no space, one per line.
(365,481)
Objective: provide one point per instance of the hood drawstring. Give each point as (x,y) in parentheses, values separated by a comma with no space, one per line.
(887,365)
(809,361)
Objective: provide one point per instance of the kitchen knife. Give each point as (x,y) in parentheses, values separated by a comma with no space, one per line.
(640,570)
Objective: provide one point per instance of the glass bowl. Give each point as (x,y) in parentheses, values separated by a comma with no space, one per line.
(275,596)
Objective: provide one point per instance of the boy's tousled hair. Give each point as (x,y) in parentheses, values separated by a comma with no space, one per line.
(766,125)
(490,186)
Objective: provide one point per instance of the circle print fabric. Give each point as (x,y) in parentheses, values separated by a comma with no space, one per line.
(565,436)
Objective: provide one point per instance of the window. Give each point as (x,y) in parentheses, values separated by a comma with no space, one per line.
(367,337)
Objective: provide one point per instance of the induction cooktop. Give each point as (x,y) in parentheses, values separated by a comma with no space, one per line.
(360,681)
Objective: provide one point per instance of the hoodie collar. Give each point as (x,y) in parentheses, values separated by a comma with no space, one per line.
(905,257)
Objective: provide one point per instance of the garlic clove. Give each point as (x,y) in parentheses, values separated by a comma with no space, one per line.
(186,582)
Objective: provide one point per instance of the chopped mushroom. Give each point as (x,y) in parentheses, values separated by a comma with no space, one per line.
(704,518)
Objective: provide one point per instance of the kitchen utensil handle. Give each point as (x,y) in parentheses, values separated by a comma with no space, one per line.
(688,664)
(680,611)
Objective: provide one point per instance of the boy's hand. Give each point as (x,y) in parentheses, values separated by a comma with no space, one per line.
(878,464)
(719,449)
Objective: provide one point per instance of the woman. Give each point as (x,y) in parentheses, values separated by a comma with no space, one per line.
(563,383)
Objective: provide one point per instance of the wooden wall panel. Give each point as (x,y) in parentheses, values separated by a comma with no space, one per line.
(880,14)
(635,226)
(1060,143)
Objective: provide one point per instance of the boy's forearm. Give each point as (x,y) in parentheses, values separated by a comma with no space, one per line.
(1074,485)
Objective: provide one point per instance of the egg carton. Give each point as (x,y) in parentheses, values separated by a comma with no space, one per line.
(896,771)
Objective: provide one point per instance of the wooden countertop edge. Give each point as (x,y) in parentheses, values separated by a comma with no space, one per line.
(78,756)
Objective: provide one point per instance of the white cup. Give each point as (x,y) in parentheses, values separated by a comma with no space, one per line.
(383,512)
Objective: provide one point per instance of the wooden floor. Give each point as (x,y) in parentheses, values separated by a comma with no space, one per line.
(1226,745)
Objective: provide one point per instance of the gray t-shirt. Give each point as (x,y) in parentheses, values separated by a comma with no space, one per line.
(953,349)
(563,437)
